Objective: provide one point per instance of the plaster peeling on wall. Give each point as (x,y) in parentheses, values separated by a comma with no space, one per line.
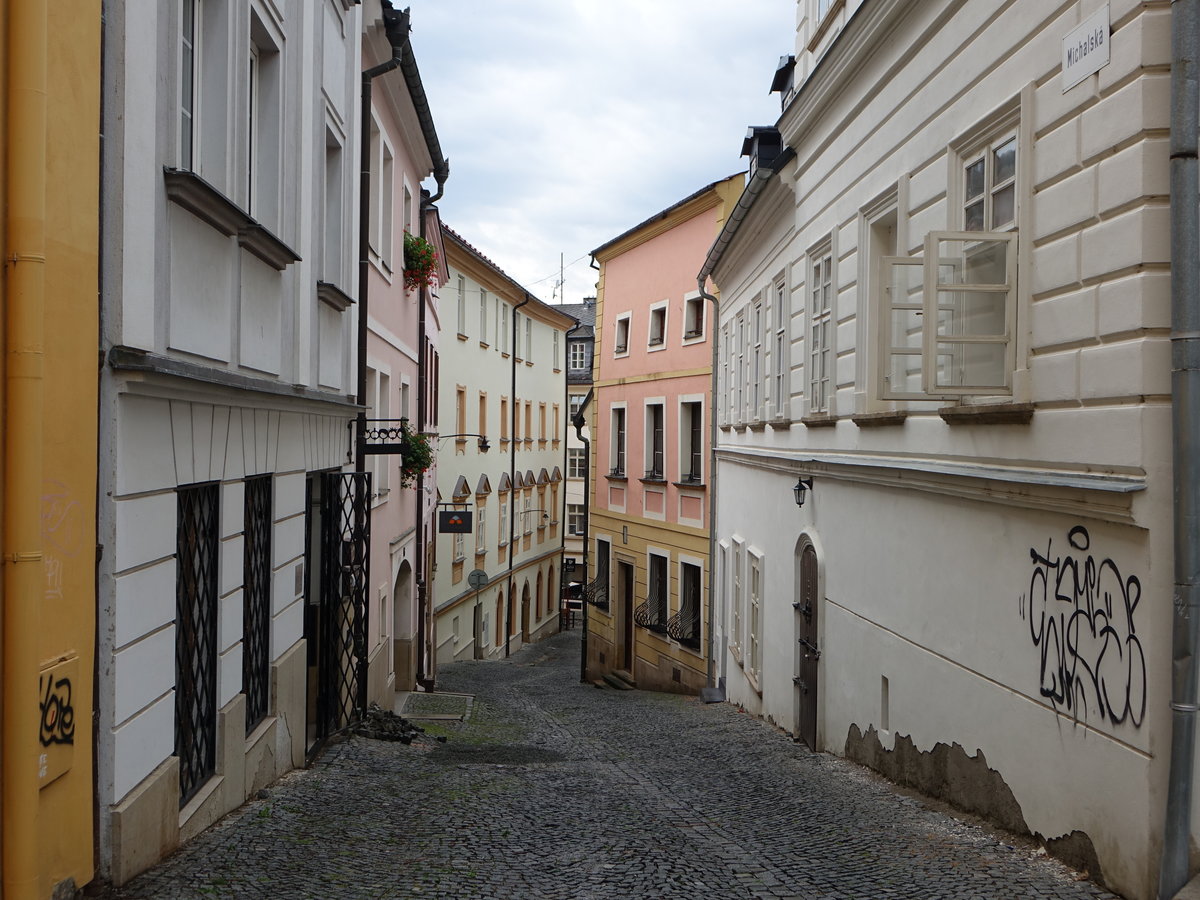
(967,783)
(1080,611)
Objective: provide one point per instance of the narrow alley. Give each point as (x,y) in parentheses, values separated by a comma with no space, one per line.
(546,788)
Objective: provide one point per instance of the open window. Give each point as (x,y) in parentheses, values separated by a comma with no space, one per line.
(949,319)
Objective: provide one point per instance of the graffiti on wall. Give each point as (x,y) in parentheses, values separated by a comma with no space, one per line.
(58,715)
(1080,610)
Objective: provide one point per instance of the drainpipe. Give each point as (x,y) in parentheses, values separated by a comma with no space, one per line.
(712,484)
(25,272)
(578,421)
(1185,390)
(512,475)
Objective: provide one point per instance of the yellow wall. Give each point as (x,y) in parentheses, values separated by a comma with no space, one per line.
(65,618)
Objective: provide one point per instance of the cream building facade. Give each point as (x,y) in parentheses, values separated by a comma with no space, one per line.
(502,378)
(944,321)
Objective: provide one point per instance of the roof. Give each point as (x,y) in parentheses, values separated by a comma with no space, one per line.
(659,216)
(466,246)
(583,313)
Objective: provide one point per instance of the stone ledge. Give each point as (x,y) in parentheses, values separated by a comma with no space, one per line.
(990,414)
(879,419)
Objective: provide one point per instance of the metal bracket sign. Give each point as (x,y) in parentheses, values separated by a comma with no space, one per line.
(453,521)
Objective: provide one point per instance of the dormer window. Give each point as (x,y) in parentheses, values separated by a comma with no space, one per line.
(783,83)
(763,145)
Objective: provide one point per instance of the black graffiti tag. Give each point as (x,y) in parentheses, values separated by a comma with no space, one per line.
(58,716)
(1081,617)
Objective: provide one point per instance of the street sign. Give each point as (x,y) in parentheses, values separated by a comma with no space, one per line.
(477,579)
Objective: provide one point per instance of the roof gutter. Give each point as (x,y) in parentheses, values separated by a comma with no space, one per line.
(416,91)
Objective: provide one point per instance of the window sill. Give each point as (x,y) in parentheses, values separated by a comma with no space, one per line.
(819,420)
(690,485)
(989,414)
(333,296)
(462,337)
(653,479)
(781,424)
(880,419)
(200,198)
(757,426)
(484,345)
(617,476)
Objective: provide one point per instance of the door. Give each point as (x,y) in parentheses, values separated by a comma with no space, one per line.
(477,631)
(807,652)
(625,615)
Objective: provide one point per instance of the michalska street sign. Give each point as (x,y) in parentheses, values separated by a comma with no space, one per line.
(453,521)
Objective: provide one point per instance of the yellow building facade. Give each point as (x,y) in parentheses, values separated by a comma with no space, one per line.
(49,191)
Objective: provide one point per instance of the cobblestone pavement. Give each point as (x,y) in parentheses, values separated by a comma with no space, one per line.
(552,789)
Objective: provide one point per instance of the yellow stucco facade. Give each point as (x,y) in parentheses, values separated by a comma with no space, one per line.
(49,191)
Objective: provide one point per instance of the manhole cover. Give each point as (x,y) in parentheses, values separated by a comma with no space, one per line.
(437,706)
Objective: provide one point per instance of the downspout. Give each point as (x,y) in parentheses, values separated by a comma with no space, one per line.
(1185,390)
(512,475)
(424,630)
(712,692)
(578,421)
(25,288)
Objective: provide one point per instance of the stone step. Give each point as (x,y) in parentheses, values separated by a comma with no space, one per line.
(625,677)
(611,679)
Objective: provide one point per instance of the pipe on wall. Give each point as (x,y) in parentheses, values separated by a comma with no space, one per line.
(23,580)
(1185,391)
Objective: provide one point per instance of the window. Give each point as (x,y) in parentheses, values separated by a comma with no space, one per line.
(527,512)
(823,7)
(735,605)
(990,186)
(576,520)
(724,377)
(754,634)
(542,422)
(780,381)
(189,57)
(462,305)
(502,510)
(483,316)
(516,334)
(655,441)
(460,410)
(657,588)
(618,441)
(387,187)
(483,423)
(576,462)
(504,418)
(332,271)
(964,284)
(658,325)
(576,356)
(528,338)
(820,322)
(528,421)
(256,599)
(756,362)
(621,343)
(739,379)
(688,632)
(693,318)
(576,404)
(503,326)
(557,337)
(460,547)
(691,435)
(480,528)
(556,434)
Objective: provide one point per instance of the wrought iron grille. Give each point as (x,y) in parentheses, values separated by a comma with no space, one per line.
(596,592)
(652,613)
(345,564)
(196,540)
(256,592)
(684,626)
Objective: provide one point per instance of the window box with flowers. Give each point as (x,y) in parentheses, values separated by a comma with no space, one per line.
(420,262)
(416,455)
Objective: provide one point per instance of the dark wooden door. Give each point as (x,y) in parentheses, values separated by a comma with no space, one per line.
(808,653)
(625,599)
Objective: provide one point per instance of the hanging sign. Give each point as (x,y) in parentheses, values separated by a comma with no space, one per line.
(453,521)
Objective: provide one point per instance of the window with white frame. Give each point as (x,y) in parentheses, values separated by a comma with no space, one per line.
(658,325)
(263,136)
(576,520)
(621,336)
(483,316)
(754,612)
(387,186)
(657,588)
(820,328)
(516,334)
(334,247)
(693,317)
(576,462)
(189,83)
(480,527)
(736,601)
(617,448)
(576,356)
(655,435)
(555,355)
(756,362)
(691,442)
(528,338)
(989,185)
(460,547)
(725,378)
(527,513)
(503,326)
(739,375)
(462,305)
(780,366)
(576,404)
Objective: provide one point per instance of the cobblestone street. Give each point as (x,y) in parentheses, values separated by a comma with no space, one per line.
(554,789)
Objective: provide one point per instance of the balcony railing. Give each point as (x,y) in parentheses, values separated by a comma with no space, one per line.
(652,614)
(596,593)
(684,626)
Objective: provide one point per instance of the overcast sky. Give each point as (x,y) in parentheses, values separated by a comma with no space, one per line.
(566,122)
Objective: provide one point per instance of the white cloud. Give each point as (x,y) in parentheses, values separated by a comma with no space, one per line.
(567,122)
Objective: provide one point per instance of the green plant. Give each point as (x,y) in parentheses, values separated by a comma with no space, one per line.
(420,262)
(416,454)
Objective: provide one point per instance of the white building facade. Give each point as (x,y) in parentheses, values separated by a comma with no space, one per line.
(230,213)
(945,300)
(503,379)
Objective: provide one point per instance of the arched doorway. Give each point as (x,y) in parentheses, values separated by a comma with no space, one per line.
(808,654)
(403,629)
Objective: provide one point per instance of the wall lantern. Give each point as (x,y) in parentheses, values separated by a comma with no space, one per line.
(803,485)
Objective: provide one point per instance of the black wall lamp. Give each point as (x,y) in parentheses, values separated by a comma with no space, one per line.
(484,445)
(803,485)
